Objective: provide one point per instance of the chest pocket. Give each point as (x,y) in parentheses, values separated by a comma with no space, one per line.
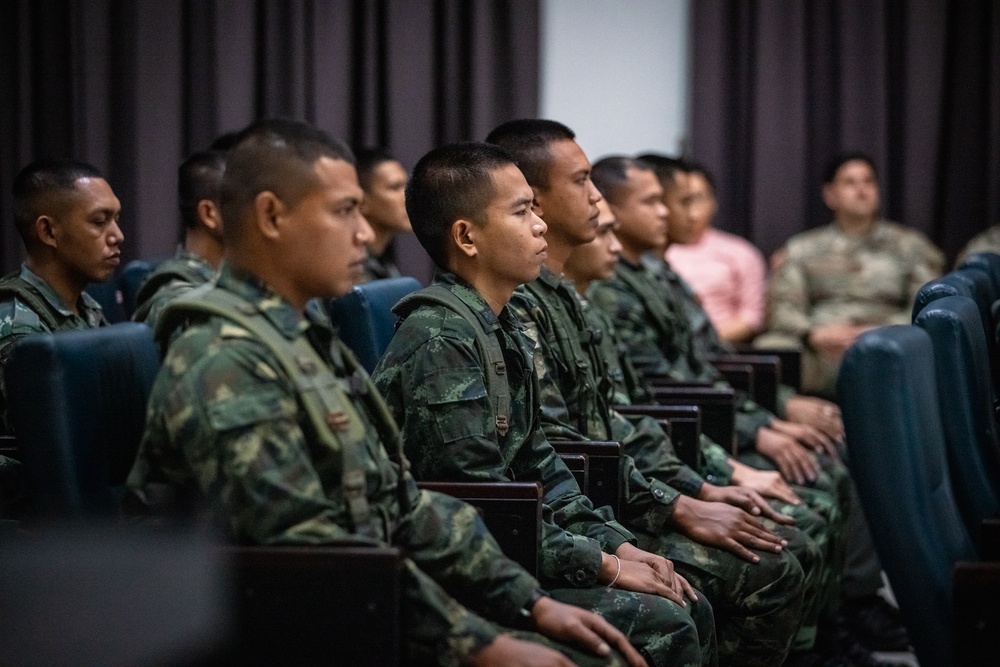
(458,400)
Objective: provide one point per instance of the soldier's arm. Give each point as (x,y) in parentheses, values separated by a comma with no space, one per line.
(632,328)
(788,301)
(926,263)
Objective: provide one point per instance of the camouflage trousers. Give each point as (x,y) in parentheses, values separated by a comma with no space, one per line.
(667,634)
(758,606)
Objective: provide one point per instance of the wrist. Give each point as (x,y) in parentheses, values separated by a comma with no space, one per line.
(527,611)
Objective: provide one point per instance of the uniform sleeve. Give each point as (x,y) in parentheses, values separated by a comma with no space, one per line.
(926,264)
(788,302)
(438,396)
(631,326)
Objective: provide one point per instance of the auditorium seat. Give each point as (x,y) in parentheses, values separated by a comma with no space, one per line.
(132,277)
(888,394)
(987,262)
(966,401)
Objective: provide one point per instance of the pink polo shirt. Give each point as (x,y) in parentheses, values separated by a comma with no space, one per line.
(727,272)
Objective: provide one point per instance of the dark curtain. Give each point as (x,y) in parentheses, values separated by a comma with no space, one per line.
(781,86)
(134,87)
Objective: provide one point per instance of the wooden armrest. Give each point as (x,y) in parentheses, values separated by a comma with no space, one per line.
(767,370)
(301,605)
(791,362)
(511,510)
(605,478)
(718,409)
(740,376)
(579,465)
(685,427)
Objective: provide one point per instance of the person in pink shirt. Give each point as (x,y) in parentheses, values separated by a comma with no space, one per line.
(726,271)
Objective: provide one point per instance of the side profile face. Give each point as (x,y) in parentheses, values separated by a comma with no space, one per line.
(642,217)
(854,191)
(384,205)
(597,260)
(510,246)
(569,202)
(324,234)
(85,235)
(676,197)
(701,208)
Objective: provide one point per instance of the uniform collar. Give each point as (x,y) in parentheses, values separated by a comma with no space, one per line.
(278,311)
(475,301)
(87,303)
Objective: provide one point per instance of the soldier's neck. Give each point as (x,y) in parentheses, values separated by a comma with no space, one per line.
(558,252)
(66,286)
(854,226)
(205,245)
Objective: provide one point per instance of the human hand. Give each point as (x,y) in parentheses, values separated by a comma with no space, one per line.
(808,436)
(507,651)
(746,499)
(818,413)
(662,565)
(796,463)
(767,483)
(725,526)
(582,628)
(640,577)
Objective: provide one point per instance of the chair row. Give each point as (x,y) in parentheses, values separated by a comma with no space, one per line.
(918,403)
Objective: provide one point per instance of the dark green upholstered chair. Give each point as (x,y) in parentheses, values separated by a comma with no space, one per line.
(132,277)
(888,393)
(987,262)
(109,295)
(966,398)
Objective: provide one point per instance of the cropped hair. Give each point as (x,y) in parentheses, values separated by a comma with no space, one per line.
(276,155)
(528,141)
(611,173)
(368,159)
(691,167)
(198,178)
(450,183)
(832,167)
(665,167)
(40,187)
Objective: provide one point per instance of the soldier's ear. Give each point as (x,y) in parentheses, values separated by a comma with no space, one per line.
(45,230)
(208,214)
(267,213)
(463,236)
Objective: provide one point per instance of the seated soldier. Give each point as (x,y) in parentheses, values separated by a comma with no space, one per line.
(471,210)
(711,533)
(67,216)
(832,283)
(652,322)
(194,263)
(985,241)
(262,419)
(383,179)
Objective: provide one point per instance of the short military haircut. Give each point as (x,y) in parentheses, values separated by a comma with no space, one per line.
(691,167)
(611,173)
(368,159)
(198,178)
(528,141)
(665,167)
(832,167)
(273,155)
(453,182)
(43,187)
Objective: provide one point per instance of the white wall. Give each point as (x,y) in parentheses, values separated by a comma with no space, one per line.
(616,72)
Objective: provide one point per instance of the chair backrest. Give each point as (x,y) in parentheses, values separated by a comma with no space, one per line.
(109,295)
(133,276)
(966,395)
(987,262)
(78,404)
(888,394)
(365,319)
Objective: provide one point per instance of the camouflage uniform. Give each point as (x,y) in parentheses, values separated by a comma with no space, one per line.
(174,277)
(433,378)
(830,277)
(378,267)
(987,241)
(229,432)
(758,605)
(45,312)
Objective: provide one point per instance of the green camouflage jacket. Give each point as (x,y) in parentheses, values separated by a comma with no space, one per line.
(172,278)
(432,377)
(830,277)
(651,320)
(227,432)
(18,318)
(577,393)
